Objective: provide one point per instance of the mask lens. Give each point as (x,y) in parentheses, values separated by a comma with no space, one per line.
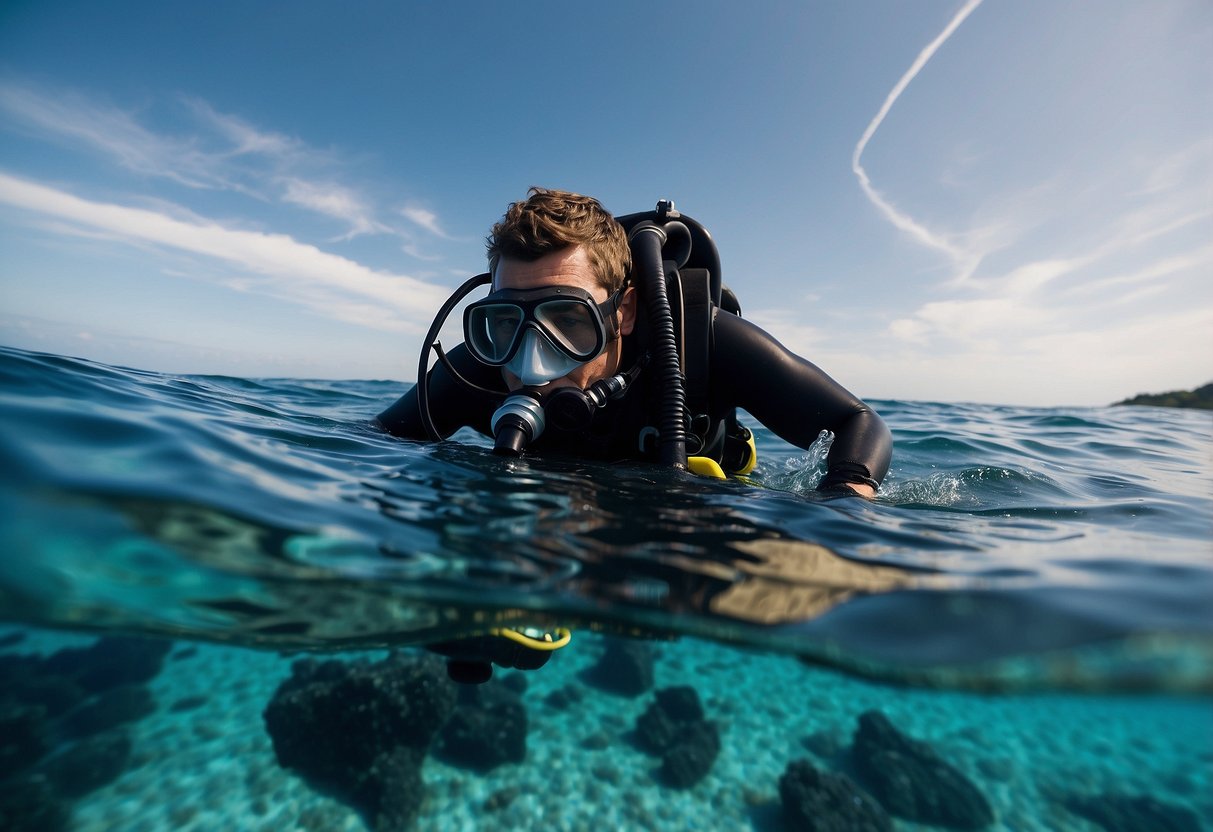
(491,330)
(573,325)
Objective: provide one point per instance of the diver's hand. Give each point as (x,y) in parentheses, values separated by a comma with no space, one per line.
(862,489)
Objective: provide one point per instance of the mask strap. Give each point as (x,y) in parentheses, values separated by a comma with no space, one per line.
(608,320)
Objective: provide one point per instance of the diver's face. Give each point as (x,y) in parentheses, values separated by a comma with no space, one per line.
(568,267)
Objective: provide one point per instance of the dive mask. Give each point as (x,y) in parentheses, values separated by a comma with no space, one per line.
(539,334)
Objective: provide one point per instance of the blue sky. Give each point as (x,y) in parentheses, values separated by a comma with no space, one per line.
(1005,202)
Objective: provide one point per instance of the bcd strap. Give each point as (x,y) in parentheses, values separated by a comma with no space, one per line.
(697,342)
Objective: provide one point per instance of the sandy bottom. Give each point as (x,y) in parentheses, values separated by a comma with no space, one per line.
(208,764)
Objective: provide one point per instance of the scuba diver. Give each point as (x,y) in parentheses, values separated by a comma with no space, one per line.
(615,339)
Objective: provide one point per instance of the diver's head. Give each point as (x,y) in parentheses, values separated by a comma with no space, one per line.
(549,220)
(560,241)
(568,327)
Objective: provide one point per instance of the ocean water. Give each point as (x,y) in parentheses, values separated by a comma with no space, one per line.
(1029,595)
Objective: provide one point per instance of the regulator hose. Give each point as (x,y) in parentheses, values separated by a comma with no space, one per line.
(431,342)
(646,240)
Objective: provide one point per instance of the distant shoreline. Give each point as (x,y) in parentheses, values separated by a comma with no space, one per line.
(1201,397)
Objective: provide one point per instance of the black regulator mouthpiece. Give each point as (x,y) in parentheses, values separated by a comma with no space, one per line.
(523,416)
(571,409)
(517,423)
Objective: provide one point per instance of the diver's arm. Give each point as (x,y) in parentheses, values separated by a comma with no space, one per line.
(452,406)
(797,400)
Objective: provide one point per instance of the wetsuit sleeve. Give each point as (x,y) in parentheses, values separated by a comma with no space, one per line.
(452,406)
(797,400)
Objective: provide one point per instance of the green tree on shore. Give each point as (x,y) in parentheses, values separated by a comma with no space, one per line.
(1201,397)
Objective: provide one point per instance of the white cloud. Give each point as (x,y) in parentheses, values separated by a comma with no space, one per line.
(245,138)
(223,152)
(424,218)
(334,201)
(66,115)
(273,264)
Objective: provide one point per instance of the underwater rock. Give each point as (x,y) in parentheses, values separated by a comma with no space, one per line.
(1134,813)
(31,805)
(111,662)
(362,729)
(393,793)
(23,740)
(89,764)
(625,668)
(911,780)
(691,757)
(674,727)
(820,801)
(109,710)
(487,728)
(658,728)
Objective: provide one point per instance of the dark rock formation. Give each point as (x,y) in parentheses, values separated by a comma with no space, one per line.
(393,790)
(80,692)
(1133,813)
(674,728)
(361,730)
(111,662)
(659,727)
(488,728)
(819,801)
(690,758)
(911,780)
(626,668)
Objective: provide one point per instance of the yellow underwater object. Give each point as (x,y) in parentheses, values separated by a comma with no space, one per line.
(705,466)
(470,659)
(542,641)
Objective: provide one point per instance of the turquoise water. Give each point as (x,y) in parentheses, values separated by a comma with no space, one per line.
(1030,595)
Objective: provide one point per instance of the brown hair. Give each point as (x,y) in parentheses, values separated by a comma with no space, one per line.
(551,220)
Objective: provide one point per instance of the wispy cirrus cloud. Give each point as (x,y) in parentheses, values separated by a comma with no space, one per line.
(219,151)
(270,264)
(71,118)
(425,218)
(244,138)
(335,201)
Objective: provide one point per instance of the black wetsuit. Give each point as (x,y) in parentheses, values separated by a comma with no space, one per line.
(749,370)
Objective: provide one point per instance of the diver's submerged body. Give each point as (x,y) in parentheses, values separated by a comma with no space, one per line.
(562,315)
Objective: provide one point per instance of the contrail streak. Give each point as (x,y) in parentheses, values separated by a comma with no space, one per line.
(900,220)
